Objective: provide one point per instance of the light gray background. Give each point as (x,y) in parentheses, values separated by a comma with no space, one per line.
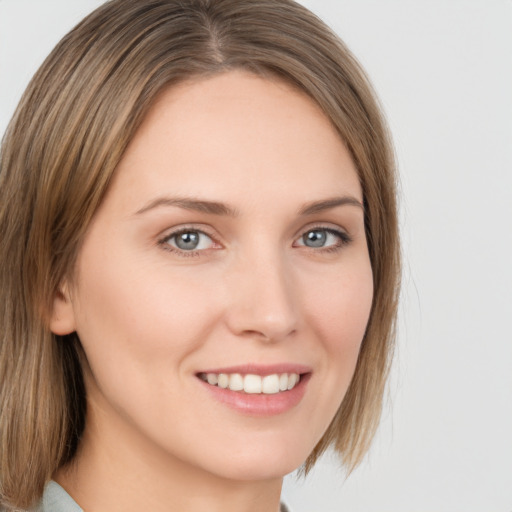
(443,69)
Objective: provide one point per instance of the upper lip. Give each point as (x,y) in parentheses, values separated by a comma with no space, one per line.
(262,370)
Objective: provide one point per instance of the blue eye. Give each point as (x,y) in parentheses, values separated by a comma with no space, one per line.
(189,240)
(316,238)
(319,238)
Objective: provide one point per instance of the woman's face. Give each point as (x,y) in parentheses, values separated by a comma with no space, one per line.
(230,248)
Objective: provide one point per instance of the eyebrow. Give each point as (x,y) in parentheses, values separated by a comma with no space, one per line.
(191,203)
(329,204)
(217,208)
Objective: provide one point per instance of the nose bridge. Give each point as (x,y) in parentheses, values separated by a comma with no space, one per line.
(262,291)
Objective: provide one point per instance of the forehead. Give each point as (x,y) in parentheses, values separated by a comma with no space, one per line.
(237,134)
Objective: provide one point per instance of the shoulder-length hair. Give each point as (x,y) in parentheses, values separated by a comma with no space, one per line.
(58,156)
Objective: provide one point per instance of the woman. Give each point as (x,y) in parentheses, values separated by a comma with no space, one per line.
(200,260)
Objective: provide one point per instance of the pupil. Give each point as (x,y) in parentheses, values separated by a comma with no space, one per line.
(188,241)
(315,238)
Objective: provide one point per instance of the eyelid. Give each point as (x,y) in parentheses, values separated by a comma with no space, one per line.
(343,234)
(163,240)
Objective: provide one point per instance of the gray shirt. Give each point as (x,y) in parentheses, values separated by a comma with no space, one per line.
(56,499)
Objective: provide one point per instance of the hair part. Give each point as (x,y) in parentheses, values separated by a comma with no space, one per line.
(61,149)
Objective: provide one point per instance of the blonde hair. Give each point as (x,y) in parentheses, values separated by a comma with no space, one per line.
(58,156)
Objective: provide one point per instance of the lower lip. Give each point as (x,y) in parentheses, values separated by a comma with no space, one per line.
(260,404)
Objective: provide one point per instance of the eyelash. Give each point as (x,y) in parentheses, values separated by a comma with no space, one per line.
(164,242)
(343,240)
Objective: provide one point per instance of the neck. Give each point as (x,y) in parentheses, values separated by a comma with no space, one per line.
(117,469)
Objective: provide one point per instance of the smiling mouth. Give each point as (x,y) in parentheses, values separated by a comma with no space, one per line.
(253,384)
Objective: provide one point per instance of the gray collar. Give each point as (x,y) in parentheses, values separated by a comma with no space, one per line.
(56,499)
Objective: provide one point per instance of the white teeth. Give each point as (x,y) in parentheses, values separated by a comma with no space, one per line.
(293,378)
(212,378)
(236,382)
(253,384)
(223,380)
(270,384)
(283,382)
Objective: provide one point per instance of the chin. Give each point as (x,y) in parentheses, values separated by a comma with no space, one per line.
(259,461)
(260,470)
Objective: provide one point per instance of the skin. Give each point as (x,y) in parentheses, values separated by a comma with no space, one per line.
(151,317)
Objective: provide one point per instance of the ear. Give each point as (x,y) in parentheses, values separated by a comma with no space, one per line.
(62,320)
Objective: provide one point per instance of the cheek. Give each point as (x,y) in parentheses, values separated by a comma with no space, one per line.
(138,325)
(135,304)
(336,309)
(341,305)
(339,312)
(136,322)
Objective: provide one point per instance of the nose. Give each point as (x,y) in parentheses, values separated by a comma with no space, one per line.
(261,298)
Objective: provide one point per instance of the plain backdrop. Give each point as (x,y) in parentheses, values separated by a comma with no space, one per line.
(443,70)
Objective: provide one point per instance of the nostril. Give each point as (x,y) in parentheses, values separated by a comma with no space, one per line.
(269,335)
(261,302)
